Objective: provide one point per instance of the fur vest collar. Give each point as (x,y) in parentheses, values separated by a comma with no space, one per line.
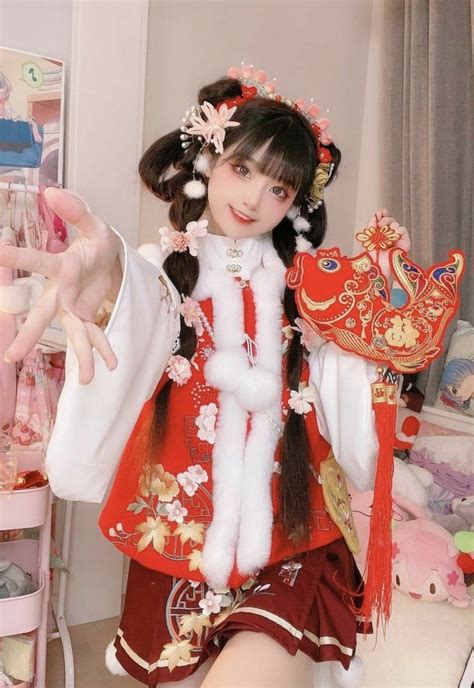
(241,529)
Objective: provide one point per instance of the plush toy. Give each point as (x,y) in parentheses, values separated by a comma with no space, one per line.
(410,495)
(425,564)
(13,580)
(462,517)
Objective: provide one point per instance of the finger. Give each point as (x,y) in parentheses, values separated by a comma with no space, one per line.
(74,210)
(77,334)
(39,317)
(102,344)
(30,259)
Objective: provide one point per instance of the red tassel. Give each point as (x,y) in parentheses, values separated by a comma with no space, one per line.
(378,570)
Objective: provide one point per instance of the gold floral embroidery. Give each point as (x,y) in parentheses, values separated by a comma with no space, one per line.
(195,560)
(156,481)
(402,332)
(154,530)
(176,651)
(193,622)
(190,531)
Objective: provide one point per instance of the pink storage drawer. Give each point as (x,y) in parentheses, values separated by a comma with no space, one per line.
(21,614)
(24,508)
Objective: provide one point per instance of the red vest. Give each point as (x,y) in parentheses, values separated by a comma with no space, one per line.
(138,517)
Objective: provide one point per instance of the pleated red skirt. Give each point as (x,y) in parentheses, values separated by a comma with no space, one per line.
(170,626)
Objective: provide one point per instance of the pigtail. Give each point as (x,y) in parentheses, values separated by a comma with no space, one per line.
(165,168)
(294,497)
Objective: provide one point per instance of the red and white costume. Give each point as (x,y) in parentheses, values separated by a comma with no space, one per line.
(206,509)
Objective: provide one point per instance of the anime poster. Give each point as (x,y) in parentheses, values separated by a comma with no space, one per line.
(31,118)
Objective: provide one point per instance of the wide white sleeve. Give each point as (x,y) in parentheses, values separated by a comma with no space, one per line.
(344,410)
(94,421)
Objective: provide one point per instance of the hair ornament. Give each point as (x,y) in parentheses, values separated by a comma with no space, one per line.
(174,241)
(293,212)
(255,83)
(202,164)
(208,124)
(301,224)
(195,188)
(303,245)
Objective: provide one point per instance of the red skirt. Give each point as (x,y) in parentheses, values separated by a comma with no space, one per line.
(170,626)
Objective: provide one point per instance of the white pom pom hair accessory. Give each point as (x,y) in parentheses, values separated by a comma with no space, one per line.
(195,188)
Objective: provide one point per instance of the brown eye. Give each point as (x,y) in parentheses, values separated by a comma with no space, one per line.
(397,579)
(432,588)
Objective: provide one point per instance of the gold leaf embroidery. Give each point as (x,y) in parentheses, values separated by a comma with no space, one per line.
(176,651)
(190,531)
(193,622)
(195,560)
(154,530)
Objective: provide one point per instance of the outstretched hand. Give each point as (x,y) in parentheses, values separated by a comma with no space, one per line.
(79,279)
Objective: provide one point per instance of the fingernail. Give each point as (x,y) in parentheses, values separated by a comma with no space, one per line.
(7,359)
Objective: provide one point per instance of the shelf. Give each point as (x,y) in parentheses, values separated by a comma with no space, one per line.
(21,614)
(24,508)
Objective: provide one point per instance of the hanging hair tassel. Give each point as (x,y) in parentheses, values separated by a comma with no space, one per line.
(195,188)
(378,568)
(301,224)
(303,245)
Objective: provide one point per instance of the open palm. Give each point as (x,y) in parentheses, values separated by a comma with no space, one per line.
(79,279)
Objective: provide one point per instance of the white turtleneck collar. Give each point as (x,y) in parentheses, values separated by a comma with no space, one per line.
(239,257)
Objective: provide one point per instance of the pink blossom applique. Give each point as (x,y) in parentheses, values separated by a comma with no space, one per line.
(191,312)
(210,604)
(206,423)
(176,512)
(301,401)
(179,369)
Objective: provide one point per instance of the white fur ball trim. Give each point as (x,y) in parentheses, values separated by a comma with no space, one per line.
(111,661)
(301,224)
(257,389)
(293,212)
(195,189)
(224,368)
(353,677)
(303,245)
(202,164)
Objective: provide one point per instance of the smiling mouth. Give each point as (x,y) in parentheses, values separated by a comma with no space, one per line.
(241,216)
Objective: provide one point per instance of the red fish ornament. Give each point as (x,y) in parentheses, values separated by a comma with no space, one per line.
(346,300)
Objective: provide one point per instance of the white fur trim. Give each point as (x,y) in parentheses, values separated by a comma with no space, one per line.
(353,677)
(301,224)
(224,368)
(202,164)
(256,511)
(195,188)
(303,245)
(242,467)
(293,212)
(111,661)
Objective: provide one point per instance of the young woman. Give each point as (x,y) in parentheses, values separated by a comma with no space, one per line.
(215,400)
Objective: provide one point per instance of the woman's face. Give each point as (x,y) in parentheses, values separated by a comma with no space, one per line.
(242,202)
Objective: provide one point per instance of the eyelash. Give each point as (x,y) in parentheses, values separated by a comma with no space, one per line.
(237,167)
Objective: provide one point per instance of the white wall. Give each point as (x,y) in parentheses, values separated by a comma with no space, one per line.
(315,49)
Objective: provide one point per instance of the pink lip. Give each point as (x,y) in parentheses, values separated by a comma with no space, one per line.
(239,218)
(415,595)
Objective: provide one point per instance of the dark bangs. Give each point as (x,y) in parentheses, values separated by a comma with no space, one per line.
(290,157)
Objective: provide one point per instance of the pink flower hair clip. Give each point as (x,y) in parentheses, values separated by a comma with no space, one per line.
(172,240)
(208,124)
